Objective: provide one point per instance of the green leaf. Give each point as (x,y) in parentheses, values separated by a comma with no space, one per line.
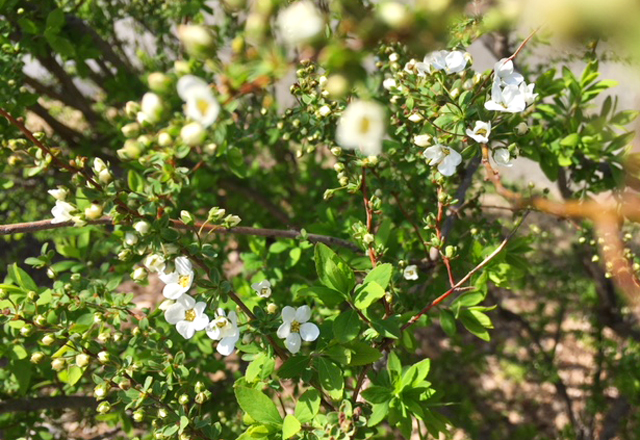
(470,299)
(258,405)
(332,271)
(474,326)
(21,278)
(71,375)
(389,328)
(135,181)
(184,422)
(22,371)
(363,354)
(308,406)
(447,322)
(570,140)
(293,367)
(367,294)
(290,427)
(379,413)
(328,297)
(340,354)
(416,374)
(330,376)
(381,275)
(346,326)
(55,19)
(377,394)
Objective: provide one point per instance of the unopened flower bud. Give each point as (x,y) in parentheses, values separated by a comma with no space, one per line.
(183,399)
(124,255)
(337,86)
(415,117)
(368,239)
(522,128)
(272,308)
(130,151)
(162,413)
(186,217)
(37,357)
(138,415)
(58,364)
(192,134)
(82,360)
(104,357)
(104,407)
(130,238)
(164,139)
(48,339)
(336,151)
(131,108)
(198,40)
(131,130)
(141,227)
(159,82)
(26,330)
(139,274)
(232,220)
(199,387)
(59,194)
(181,67)
(324,111)
(201,398)
(101,391)
(93,212)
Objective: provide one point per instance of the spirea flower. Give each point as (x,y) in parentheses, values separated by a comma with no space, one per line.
(201,106)
(508,99)
(389,84)
(224,328)
(502,157)
(154,263)
(422,140)
(130,238)
(152,108)
(362,127)
(410,272)
(295,328)
(62,212)
(446,158)
(505,74)
(450,62)
(300,23)
(480,132)
(141,227)
(263,288)
(192,134)
(527,92)
(59,194)
(187,315)
(179,281)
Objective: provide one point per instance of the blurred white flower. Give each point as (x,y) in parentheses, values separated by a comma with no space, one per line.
(389,84)
(152,107)
(201,106)
(362,127)
(93,212)
(154,263)
(224,329)
(263,288)
(508,99)
(139,274)
(141,227)
(197,39)
(480,132)
(410,272)
(187,315)
(62,211)
(179,281)
(130,238)
(505,74)
(502,157)
(192,134)
(447,159)
(422,140)
(295,328)
(59,194)
(527,92)
(301,22)
(450,62)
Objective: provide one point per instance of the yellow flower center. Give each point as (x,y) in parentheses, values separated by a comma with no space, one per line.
(222,322)
(446,151)
(482,131)
(295,327)
(264,291)
(184,280)
(365,125)
(190,315)
(203,105)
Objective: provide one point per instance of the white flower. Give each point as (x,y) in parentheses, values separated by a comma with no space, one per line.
(300,23)
(99,165)
(502,157)
(325,110)
(62,212)
(389,84)
(394,14)
(187,315)
(295,328)
(480,132)
(411,272)
(192,134)
(527,91)
(154,263)
(504,73)
(201,105)
(139,274)
(362,127)
(141,227)
(179,281)
(152,107)
(263,288)
(198,40)
(415,117)
(522,129)
(447,159)
(422,140)
(510,99)
(130,238)
(224,328)
(451,62)
(59,194)
(93,212)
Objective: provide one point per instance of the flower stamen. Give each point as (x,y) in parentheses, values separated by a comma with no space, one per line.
(184,280)
(295,327)
(190,315)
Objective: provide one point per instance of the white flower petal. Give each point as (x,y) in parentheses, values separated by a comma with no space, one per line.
(288,314)
(199,307)
(187,84)
(184,266)
(293,342)
(227,345)
(284,330)
(200,323)
(213,331)
(169,278)
(173,291)
(233,318)
(174,314)
(303,314)
(185,329)
(187,302)
(309,331)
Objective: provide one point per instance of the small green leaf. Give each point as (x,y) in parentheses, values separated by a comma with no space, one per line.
(135,181)
(71,375)
(340,354)
(447,322)
(367,294)
(377,394)
(293,367)
(363,354)
(381,275)
(21,278)
(258,405)
(328,297)
(308,406)
(346,326)
(332,271)
(290,427)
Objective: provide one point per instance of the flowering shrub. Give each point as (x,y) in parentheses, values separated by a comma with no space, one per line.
(298,246)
